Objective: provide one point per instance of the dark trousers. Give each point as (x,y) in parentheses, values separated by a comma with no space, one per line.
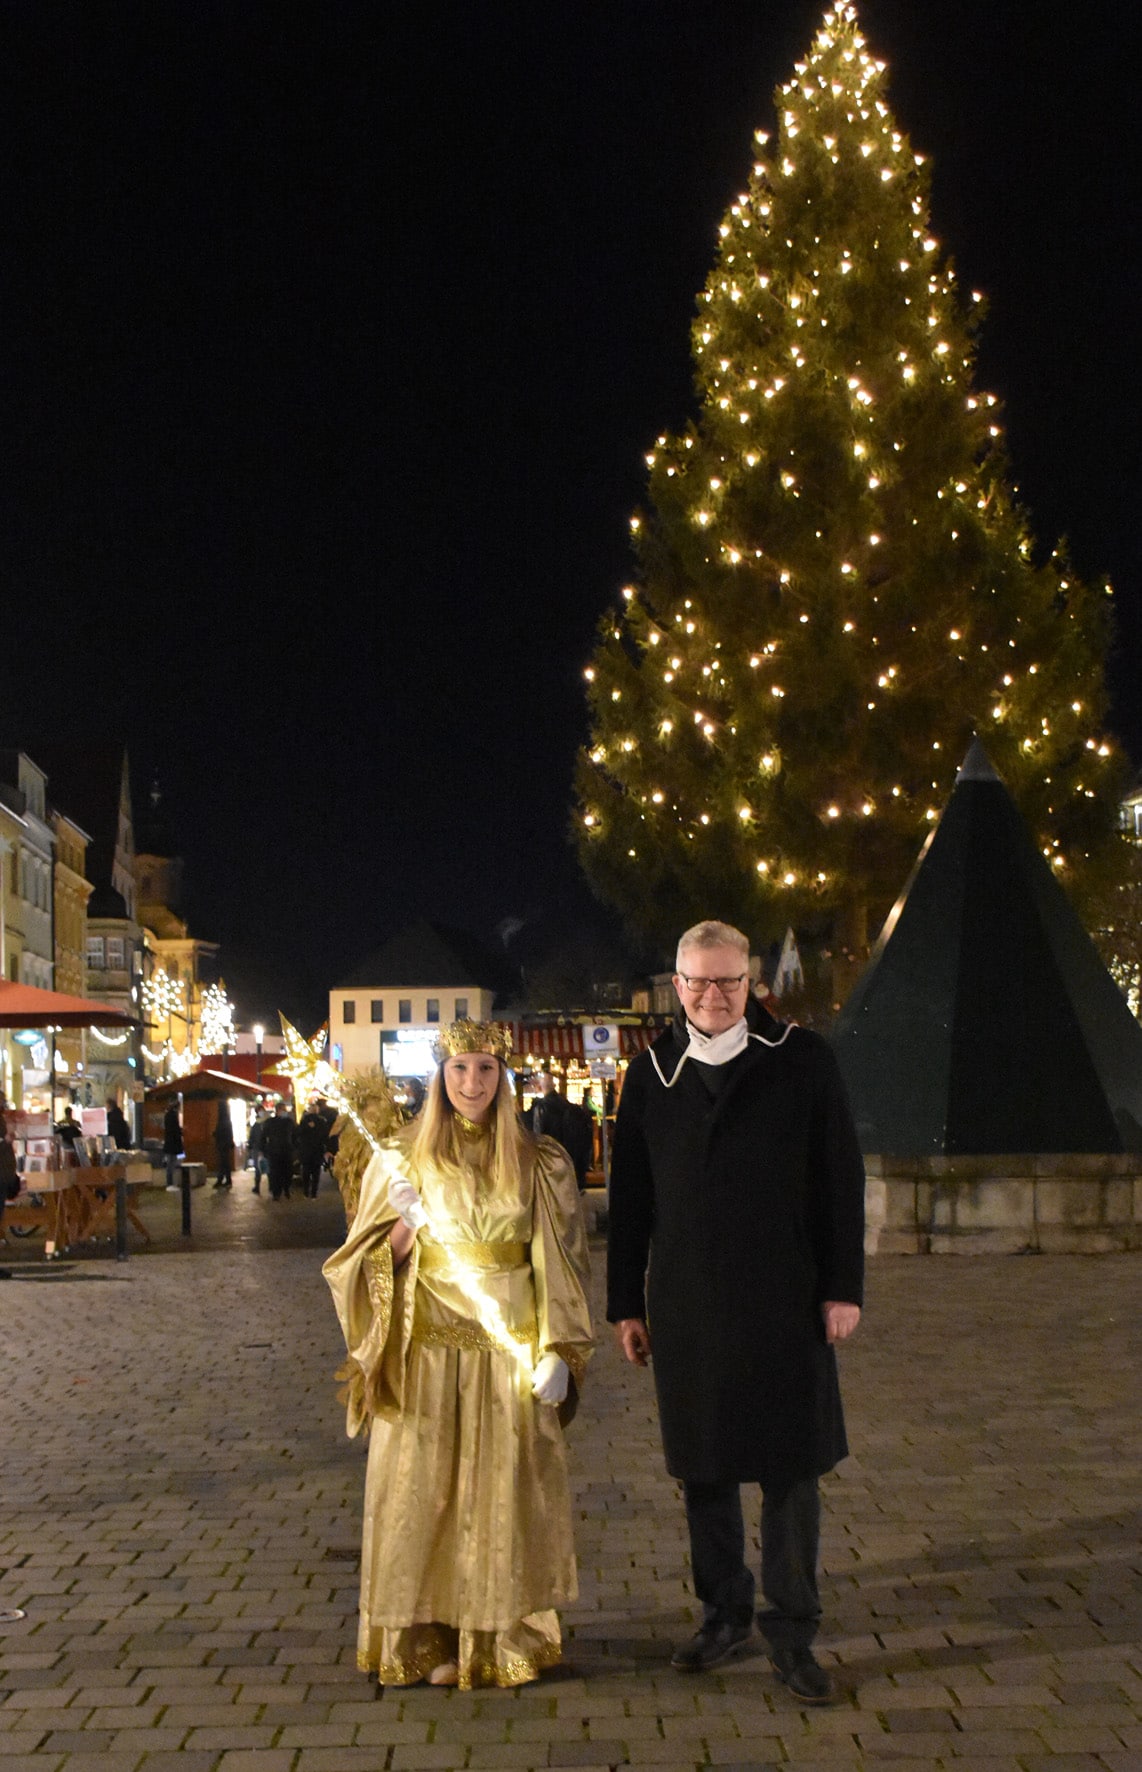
(281,1174)
(310,1176)
(790,1530)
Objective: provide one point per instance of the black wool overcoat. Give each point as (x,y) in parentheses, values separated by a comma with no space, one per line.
(732,1220)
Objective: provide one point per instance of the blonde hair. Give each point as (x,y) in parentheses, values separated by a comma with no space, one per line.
(712,934)
(433,1144)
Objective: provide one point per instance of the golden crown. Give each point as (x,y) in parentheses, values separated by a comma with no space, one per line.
(473,1036)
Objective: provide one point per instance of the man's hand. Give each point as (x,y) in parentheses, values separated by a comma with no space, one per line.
(840,1320)
(633,1337)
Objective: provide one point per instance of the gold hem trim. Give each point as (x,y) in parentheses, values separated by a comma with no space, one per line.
(483,1672)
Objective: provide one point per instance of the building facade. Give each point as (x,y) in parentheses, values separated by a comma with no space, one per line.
(178,968)
(388,1011)
(28,844)
(71,890)
(92,785)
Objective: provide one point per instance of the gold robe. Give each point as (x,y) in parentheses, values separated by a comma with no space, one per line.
(467,1544)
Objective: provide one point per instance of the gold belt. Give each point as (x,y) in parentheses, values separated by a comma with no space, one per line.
(442,1258)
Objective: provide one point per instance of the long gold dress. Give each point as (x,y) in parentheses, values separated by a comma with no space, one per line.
(467,1545)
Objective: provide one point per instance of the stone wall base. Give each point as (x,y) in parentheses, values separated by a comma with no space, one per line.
(1003,1205)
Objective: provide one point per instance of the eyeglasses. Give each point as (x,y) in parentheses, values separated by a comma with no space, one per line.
(724,985)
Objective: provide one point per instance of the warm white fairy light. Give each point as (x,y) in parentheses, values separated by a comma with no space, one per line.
(755,279)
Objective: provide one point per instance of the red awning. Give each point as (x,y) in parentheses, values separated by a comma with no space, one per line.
(566,1040)
(547,1042)
(23,1006)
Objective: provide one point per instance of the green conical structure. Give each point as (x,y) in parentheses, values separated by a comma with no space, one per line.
(985,1021)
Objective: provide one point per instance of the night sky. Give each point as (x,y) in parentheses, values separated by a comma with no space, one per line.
(332,339)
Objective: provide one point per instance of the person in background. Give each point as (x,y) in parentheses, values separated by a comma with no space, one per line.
(311,1137)
(256,1148)
(328,1119)
(70,1134)
(278,1144)
(117,1125)
(224,1145)
(551,1115)
(9,1178)
(172,1143)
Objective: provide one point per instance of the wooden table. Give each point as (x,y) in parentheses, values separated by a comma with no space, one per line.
(77,1203)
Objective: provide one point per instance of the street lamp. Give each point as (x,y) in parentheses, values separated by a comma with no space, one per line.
(259,1036)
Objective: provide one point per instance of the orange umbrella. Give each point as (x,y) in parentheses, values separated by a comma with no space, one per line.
(23,1006)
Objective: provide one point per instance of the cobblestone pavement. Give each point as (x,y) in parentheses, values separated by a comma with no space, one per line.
(179,1517)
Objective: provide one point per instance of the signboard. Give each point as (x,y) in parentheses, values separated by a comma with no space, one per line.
(408,1057)
(603,1067)
(602,1038)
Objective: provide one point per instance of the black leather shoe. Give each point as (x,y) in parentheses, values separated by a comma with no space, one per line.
(804,1675)
(710,1646)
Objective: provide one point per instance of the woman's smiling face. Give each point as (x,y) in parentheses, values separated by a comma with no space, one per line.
(471,1080)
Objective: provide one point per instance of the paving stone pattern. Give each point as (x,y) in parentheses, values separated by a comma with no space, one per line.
(179,1515)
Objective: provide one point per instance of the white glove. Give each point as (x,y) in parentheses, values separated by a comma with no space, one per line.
(405,1202)
(550,1378)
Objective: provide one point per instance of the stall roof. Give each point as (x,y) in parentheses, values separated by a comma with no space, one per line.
(207,1084)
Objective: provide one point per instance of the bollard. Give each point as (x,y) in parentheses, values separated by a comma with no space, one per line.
(121,1216)
(185,1174)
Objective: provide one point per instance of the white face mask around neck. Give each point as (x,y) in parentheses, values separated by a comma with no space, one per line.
(717,1048)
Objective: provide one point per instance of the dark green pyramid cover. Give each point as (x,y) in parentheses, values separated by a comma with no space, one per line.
(985,1020)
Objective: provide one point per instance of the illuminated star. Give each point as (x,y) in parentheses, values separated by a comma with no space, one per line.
(306,1067)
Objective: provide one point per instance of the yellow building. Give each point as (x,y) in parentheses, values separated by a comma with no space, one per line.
(71,892)
(178,968)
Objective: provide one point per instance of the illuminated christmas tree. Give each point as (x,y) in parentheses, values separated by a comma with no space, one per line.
(836,584)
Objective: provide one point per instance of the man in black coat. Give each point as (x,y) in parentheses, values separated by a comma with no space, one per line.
(736,1178)
(310,1136)
(553,1116)
(278,1143)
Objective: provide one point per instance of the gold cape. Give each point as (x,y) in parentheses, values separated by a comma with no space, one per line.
(467,1545)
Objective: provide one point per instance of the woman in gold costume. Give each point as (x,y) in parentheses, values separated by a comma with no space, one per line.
(461,1290)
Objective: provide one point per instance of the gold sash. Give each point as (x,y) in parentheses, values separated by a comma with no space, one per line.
(443,1258)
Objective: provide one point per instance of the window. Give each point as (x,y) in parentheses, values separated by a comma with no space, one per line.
(95,952)
(349,1010)
(461,1008)
(404,1009)
(377,1009)
(433,1013)
(115,961)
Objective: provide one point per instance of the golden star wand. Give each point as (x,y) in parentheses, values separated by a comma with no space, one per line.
(311,1074)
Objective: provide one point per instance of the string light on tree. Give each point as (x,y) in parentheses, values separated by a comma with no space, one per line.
(163,995)
(217,1021)
(839,503)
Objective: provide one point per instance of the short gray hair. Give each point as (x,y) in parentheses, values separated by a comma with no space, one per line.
(712,934)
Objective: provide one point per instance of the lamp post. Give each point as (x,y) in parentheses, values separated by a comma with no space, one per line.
(259,1036)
